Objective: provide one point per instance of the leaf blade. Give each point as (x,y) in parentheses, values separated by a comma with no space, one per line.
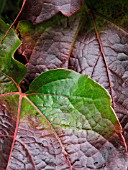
(9,66)
(115,48)
(46,10)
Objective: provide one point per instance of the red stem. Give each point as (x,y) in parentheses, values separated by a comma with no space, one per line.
(16,130)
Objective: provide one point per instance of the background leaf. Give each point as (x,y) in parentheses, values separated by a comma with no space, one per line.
(9,67)
(115,11)
(38,11)
(9,9)
(47,46)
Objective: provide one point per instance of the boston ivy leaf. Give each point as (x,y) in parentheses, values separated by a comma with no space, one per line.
(64,121)
(107,63)
(9,67)
(40,10)
(47,45)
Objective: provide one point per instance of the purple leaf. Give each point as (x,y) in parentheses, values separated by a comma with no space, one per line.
(47,48)
(40,10)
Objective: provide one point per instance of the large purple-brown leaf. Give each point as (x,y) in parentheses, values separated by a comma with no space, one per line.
(47,47)
(40,10)
(106,61)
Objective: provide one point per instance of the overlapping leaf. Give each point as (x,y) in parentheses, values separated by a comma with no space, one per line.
(38,11)
(105,62)
(47,46)
(9,67)
(64,121)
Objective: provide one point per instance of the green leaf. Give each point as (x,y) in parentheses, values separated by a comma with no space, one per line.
(85,95)
(9,67)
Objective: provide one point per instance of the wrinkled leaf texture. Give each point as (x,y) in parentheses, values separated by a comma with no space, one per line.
(65,120)
(88,44)
(41,10)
